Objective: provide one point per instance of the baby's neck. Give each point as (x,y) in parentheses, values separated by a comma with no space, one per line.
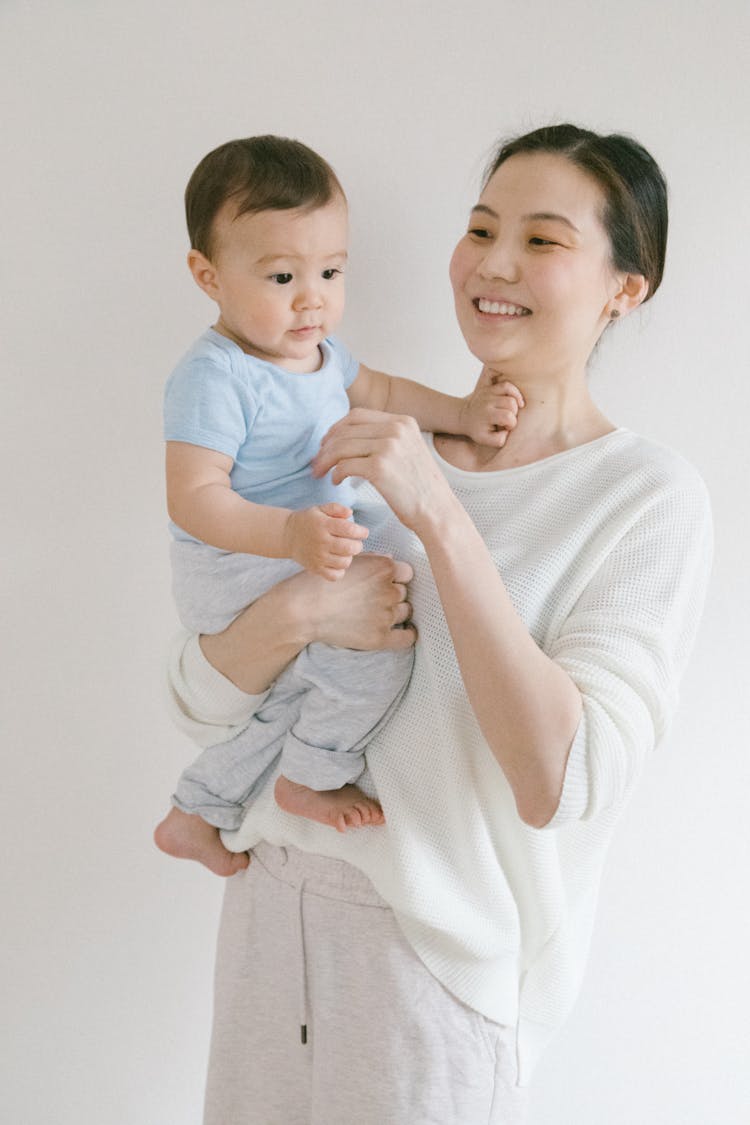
(305,365)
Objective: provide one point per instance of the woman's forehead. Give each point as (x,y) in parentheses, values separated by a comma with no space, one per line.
(536,184)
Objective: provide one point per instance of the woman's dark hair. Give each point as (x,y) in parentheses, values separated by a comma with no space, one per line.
(262,174)
(635,213)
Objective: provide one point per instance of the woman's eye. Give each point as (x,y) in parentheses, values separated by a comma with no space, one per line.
(281,278)
(479,232)
(541,242)
(328,275)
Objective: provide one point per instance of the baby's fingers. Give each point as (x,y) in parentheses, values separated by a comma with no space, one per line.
(330,573)
(501,386)
(339,511)
(494,437)
(501,416)
(341,549)
(508,403)
(345,529)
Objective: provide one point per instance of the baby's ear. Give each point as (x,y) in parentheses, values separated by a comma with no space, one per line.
(204,273)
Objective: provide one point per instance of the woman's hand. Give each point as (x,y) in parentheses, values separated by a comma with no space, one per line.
(388,450)
(359,611)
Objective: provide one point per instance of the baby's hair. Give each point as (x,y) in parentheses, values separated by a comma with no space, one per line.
(261,174)
(635,212)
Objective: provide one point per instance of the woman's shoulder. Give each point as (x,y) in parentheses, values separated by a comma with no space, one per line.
(648,489)
(656,467)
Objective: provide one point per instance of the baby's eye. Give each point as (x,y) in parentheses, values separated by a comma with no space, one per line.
(479,232)
(281,278)
(328,275)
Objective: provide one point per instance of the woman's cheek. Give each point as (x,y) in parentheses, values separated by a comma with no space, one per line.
(458,269)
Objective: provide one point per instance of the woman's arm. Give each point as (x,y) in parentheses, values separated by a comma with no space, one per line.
(216,682)
(361,611)
(571,728)
(527,707)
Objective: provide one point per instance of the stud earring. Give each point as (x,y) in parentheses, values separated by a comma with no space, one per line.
(614,314)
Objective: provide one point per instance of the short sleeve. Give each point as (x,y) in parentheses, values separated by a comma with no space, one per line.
(205,404)
(626,643)
(348,365)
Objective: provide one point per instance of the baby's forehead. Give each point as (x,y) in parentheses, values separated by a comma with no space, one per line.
(278,232)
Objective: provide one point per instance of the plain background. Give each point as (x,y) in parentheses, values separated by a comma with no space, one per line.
(106,109)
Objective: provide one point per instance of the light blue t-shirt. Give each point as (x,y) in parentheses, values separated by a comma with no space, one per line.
(268,420)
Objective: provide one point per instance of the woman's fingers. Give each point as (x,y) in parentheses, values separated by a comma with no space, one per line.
(399,639)
(401,613)
(366,427)
(359,605)
(388,450)
(361,450)
(402,574)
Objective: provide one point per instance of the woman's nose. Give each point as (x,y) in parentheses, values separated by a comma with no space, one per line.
(500,261)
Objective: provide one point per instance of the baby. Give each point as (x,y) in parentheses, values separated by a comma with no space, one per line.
(245,412)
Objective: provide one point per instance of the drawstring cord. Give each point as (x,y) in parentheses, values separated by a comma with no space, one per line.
(303,1009)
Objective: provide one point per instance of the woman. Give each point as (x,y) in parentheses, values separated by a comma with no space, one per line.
(558,583)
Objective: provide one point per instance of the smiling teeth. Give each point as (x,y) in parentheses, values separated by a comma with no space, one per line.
(501,309)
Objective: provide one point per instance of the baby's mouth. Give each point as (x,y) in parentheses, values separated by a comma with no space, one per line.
(500,308)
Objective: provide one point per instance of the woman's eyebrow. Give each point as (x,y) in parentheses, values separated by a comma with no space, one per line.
(534,216)
(537,216)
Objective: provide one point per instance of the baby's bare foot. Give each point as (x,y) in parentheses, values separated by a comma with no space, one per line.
(340,808)
(188,837)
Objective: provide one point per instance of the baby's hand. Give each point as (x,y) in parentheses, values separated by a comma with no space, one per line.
(324,540)
(490,412)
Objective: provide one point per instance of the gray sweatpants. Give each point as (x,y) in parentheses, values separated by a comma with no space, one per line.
(320,714)
(306,941)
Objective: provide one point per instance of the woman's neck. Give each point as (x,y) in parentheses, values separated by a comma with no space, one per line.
(557,416)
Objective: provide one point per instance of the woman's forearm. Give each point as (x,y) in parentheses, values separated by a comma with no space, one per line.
(361,611)
(258,645)
(527,707)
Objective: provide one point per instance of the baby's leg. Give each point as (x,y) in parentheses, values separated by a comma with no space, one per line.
(212,587)
(349,696)
(224,777)
(212,792)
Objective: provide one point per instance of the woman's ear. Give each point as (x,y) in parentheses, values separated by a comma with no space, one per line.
(204,273)
(632,293)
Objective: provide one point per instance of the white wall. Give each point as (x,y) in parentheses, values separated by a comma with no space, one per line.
(106,109)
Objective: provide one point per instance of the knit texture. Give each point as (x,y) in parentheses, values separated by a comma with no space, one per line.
(605,551)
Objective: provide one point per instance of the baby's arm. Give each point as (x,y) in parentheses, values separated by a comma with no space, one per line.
(486,415)
(200,500)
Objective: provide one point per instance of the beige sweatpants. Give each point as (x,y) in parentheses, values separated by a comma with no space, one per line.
(324,1015)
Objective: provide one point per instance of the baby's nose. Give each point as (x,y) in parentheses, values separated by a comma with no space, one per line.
(309,298)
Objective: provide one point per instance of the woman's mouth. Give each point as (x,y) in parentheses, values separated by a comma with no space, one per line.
(499,308)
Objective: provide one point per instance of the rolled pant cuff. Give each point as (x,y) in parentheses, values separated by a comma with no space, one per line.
(219,815)
(317,768)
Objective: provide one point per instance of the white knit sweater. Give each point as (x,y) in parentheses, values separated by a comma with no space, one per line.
(605,551)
